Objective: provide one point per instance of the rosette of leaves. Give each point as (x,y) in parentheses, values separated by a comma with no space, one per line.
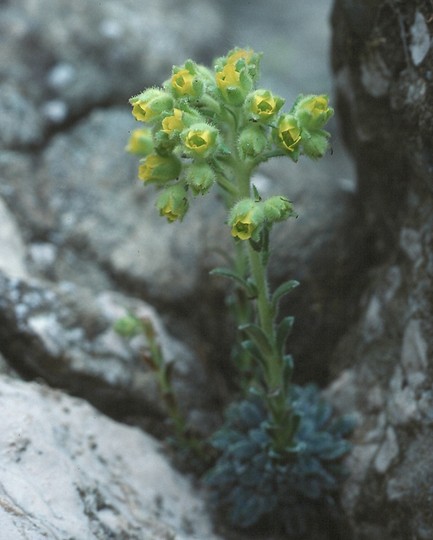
(251,482)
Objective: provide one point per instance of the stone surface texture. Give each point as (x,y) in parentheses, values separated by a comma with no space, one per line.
(383,64)
(66,471)
(66,335)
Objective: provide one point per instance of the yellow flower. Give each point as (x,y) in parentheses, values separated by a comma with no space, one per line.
(244,227)
(262,105)
(246,218)
(156,168)
(316,104)
(149,105)
(288,132)
(200,139)
(140,142)
(182,82)
(313,111)
(240,54)
(173,122)
(142,112)
(172,203)
(227,77)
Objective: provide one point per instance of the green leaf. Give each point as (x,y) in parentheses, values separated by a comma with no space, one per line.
(258,337)
(283,330)
(252,289)
(255,353)
(288,365)
(282,290)
(226,272)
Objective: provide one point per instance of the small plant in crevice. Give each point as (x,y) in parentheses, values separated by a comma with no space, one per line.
(188,446)
(279,450)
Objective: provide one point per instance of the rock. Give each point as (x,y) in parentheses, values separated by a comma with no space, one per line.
(65,335)
(12,248)
(92,54)
(383,360)
(127,240)
(69,472)
(421,41)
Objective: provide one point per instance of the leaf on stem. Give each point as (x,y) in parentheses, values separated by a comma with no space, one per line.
(254,352)
(282,290)
(283,330)
(288,366)
(258,337)
(227,273)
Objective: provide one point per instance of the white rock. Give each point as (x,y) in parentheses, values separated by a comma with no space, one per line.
(67,472)
(420,39)
(12,248)
(414,349)
(410,243)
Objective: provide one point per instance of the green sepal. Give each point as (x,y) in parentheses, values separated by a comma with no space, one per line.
(283,329)
(282,290)
(315,143)
(258,337)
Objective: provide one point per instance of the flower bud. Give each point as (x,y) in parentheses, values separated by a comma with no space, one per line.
(241,58)
(262,105)
(315,143)
(140,142)
(235,75)
(277,208)
(200,178)
(163,143)
(156,168)
(172,203)
(246,218)
(186,81)
(288,134)
(252,141)
(201,140)
(312,112)
(150,104)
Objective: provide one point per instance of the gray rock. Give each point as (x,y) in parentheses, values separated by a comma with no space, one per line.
(105,222)
(421,41)
(64,59)
(12,247)
(69,472)
(65,335)
(386,353)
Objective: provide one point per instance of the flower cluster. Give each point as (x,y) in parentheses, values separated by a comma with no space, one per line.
(211,126)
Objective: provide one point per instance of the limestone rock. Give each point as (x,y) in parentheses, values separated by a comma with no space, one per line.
(90,54)
(12,247)
(387,377)
(69,472)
